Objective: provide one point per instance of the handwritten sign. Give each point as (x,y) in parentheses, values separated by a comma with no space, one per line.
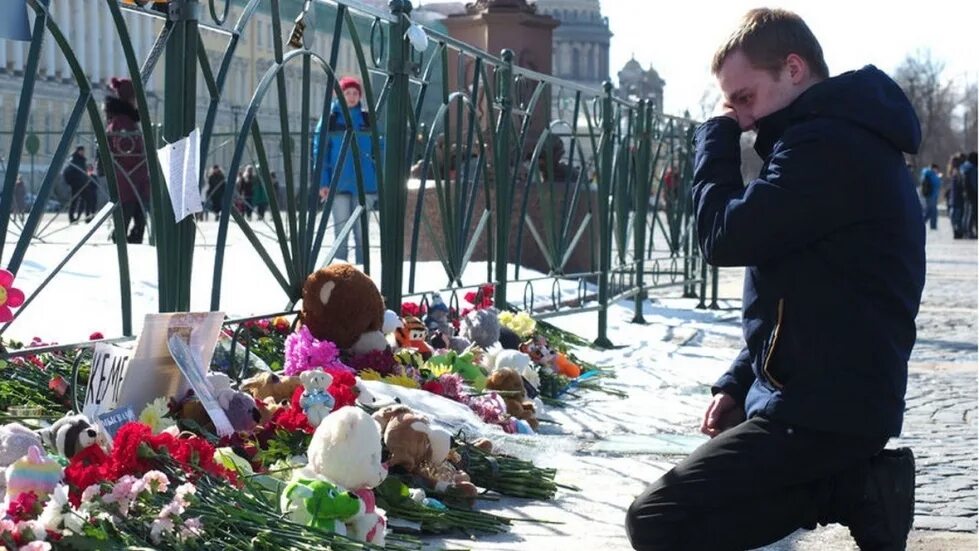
(115,419)
(109,366)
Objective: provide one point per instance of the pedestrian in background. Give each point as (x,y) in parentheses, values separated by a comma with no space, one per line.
(345,194)
(76,177)
(931,189)
(969,171)
(955,194)
(128,156)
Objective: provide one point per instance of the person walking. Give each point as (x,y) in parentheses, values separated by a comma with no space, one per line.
(20,199)
(246,185)
(835,267)
(969,169)
(260,198)
(128,156)
(215,190)
(931,189)
(345,193)
(76,177)
(955,195)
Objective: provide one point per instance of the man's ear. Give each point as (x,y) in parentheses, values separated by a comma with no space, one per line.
(797,68)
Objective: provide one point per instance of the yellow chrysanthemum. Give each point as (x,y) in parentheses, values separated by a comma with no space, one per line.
(520,323)
(154,415)
(401,380)
(369,375)
(437,370)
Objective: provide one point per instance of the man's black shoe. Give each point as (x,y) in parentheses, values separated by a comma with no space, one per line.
(881,520)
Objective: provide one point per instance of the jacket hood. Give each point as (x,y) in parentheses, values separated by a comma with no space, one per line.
(867,98)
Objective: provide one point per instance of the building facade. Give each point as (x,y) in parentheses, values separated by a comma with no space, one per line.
(636,83)
(581,42)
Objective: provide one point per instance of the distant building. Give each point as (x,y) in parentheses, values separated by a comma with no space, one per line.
(581,42)
(636,83)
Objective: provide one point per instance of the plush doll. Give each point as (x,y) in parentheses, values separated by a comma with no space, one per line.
(15,440)
(35,472)
(316,402)
(411,335)
(346,450)
(482,327)
(320,504)
(517,405)
(421,449)
(71,434)
(437,318)
(271,385)
(342,305)
(241,409)
(463,364)
(519,362)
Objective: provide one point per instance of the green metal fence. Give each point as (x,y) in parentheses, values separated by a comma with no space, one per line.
(553,185)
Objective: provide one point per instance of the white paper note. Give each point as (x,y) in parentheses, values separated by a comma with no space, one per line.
(181,163)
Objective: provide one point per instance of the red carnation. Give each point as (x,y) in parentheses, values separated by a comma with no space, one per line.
(434,386)
(24,507)
(96,336)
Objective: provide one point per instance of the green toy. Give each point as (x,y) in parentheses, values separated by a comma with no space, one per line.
(319,504)
(464,365)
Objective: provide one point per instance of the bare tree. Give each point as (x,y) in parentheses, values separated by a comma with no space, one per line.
(970,117)
(934,99)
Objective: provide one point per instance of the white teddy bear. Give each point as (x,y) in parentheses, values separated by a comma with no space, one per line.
(316,402)
(346,450)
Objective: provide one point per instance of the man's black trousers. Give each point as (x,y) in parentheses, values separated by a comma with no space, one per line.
(751,486)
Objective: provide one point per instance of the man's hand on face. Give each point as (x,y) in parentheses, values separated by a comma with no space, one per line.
(724,109)
(722,414)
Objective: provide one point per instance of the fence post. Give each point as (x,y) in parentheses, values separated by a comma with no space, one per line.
(393,192)
(605,178)
(501,175)
(641,202)
(175,240)
(713,289)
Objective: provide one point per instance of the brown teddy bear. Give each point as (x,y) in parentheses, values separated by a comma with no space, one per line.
(517,405)
(422,450)
(342,305)
(270,385)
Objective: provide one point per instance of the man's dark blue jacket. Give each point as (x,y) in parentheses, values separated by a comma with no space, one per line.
(832,236)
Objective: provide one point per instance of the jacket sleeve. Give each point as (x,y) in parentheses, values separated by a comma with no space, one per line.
(738,378)
(794,201)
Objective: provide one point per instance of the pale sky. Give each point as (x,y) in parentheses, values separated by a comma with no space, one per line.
(679,36)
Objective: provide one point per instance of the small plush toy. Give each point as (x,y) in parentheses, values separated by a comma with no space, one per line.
(346,450)
(421,449)
(15,440)
(320,504)
(271,385)
(71,434)
(411,335)
(316,402)
(437,318)
(517,405)
(519,362)
(482,327)
(35,472)
(342,305)
(464,364)
(241,409)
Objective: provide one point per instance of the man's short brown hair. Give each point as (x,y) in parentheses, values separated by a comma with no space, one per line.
(768,36)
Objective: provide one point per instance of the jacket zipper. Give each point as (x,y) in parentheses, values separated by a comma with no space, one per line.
(771,347)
